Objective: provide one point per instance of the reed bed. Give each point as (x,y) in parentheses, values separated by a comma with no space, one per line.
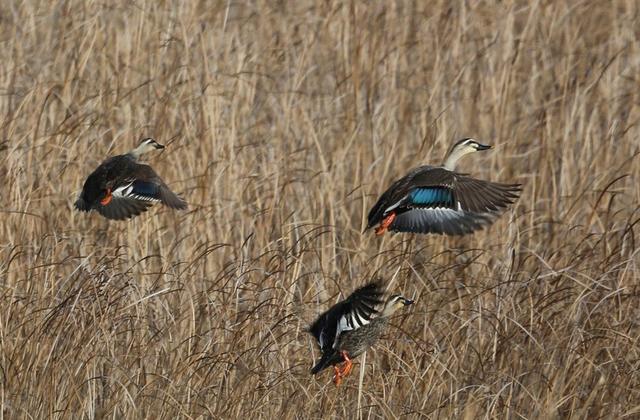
(283,122)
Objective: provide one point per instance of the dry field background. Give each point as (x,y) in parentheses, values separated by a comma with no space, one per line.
(283,121)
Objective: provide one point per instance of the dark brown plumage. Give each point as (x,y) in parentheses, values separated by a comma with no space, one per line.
(351,326)
(121,188)
(432,199)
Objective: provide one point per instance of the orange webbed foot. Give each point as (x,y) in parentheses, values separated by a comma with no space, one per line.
(347,368)
(386,222)
(107,198)
(337,376)
(343,369)
(348,364)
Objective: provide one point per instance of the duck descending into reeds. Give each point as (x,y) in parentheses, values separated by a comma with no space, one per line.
(121,188)
(351,326)
(437,199)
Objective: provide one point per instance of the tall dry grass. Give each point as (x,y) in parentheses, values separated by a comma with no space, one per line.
(283,122)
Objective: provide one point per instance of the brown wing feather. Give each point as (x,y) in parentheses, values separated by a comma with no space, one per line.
(480,196)
(441,221)
(146,173)
(121,208)
(475,195)
(479,202)
(170,199)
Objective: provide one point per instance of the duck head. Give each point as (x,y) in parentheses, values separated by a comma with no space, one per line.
(460,148)
(146,145)
(394,303)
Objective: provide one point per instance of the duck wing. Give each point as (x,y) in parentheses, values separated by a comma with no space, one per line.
(142,183)
(121,188)
(476,195)
(350,314)
(441,221)
(436,200)
(123,207)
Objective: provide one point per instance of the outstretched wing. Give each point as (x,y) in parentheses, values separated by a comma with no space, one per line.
(128,200)
(350,314)
(144,184)
(440,221)
(436,200)
(136,192)
(476,195)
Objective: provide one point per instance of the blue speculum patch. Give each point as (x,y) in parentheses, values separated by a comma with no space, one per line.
(431,196)
(145,188)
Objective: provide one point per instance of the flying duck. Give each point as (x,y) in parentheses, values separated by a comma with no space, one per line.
(437,199)
(351,326)
(121,188)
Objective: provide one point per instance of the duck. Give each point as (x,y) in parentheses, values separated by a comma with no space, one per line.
(122,188)
(440,200)
(350,327)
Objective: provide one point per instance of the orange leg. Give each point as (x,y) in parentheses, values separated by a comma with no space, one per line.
(348,364)
(386,222)
(344,370)
(337,376)
(107,198)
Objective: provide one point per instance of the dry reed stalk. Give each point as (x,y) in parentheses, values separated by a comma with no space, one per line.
(283,121)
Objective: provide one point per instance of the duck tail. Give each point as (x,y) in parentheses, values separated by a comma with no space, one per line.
(82,205)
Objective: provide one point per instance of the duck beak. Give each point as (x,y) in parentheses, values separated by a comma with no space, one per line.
(480,147)
(408,302)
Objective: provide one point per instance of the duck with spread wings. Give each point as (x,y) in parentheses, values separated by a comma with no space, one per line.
(351,326)
(437,199)
(121,187)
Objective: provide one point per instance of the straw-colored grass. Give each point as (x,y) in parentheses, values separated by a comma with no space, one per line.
(283,122)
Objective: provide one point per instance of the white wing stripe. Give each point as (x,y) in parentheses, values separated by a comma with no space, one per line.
(123,191)
(360,320)
(126,191)
(442,212)
(350,321)
(388,209)
(144,198)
